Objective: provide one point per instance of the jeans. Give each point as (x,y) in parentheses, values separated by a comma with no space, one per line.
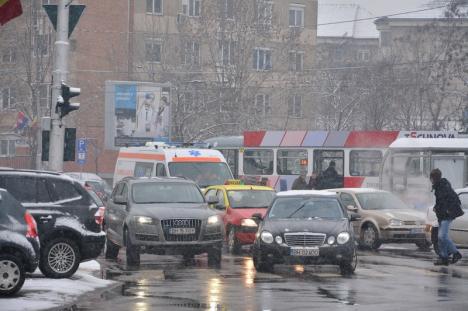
(446,246)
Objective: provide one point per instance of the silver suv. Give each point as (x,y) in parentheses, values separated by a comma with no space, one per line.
(162,216)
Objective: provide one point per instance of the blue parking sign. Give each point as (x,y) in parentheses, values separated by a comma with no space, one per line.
(82,150)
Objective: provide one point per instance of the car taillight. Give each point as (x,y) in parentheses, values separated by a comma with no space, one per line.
(32,226)
(99,216)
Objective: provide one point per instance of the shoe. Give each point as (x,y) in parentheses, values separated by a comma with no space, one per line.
(441,262)
(456,257)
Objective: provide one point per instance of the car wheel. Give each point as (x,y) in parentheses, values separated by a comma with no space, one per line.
(111,249)
(234,247)
(348,268)
(370,237)
(424,245)
(60,258)
(132,251)
(12,274)
(261,264)
(215,256)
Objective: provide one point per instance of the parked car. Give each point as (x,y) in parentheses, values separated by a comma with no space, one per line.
(19,244)
(305,227)
(65,215)
(239,203)
(163,216)
(384,218)
(94,182)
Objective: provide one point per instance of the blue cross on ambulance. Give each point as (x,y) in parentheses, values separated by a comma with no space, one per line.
(206,167)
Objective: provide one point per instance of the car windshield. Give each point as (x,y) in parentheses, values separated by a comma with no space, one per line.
(303,207)
(250,198)
(145,193)
(380,201)
(203,173)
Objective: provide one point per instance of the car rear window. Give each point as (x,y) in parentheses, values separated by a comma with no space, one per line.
(22,188)
(64,190)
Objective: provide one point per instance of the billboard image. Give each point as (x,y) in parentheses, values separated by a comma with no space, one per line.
(137,113)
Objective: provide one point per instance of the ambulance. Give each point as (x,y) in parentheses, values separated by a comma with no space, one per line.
(206,167)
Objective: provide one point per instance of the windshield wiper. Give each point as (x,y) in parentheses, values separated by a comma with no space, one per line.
(297,210)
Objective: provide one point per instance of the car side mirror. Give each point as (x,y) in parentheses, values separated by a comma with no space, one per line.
(212,200)
(119,199)
(354,217)
(351,208)
(257,217)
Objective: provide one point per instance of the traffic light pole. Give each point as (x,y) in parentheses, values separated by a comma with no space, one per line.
(57,134)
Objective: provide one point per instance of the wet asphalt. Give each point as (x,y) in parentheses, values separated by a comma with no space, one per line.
(394,278)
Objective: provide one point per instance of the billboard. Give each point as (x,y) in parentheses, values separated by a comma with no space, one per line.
(136,112)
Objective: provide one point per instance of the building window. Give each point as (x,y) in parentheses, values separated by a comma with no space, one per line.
(262,105)
(192,53)
(154,7)
(385,38)
(227,50)
(258,162)
(363,55)
(296,16)
(191,7)
(9,56)
(153,49)
(8,98)
(43,94)
(264,12)
(227,8)
(41,45)
(7,148)
(262,59)
(296,60)
(295,106)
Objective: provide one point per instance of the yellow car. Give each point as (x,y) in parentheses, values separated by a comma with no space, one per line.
(239,202)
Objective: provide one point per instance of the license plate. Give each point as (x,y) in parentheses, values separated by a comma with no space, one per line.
(182,231)
(416,231)
(305,252)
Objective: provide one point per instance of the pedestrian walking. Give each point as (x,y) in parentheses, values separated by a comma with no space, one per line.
(447,208)
(328,178)
(300,182)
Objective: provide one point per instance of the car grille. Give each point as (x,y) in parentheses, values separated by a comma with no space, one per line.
(304,239)
(410,223)
(167,224)
(147,237)
(212,237)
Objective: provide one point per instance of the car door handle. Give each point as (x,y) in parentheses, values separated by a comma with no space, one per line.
(49,217)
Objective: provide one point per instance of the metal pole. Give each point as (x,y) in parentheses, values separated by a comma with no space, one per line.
(57,135)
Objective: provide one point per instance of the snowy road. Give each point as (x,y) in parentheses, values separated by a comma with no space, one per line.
(39,293)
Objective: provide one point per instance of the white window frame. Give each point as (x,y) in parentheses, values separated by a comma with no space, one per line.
(10,148)
(292,60)
(297,8)
(264,12)
(35,42)
(292,113)
(8,56)
(263,107)
(153,42)
(225,9)
(153,12)
(262,65)
(189,7)
(190,57)
(364,55)
(227,47)
(11,99)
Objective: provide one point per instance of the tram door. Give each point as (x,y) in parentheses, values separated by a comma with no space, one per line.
(322,161)
(452,167)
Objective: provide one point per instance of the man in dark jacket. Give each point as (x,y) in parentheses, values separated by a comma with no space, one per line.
(328,178)
(447,208)
(300,182)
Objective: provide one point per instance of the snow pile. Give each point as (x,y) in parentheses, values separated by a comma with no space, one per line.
(40,293)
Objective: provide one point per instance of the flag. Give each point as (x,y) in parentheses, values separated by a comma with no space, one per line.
(21,120)
(9,9)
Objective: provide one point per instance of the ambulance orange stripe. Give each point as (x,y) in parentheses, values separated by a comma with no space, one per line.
(142,156)
(196,159)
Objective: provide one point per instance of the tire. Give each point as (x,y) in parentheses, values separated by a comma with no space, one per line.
(370,237)
(261,264)
(215,256)
(12,274)
(348,268)
(234,247)
(132,252)
(424,245)
(111,250)
(60,258)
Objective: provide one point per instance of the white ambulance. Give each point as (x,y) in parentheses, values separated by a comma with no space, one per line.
(206,167)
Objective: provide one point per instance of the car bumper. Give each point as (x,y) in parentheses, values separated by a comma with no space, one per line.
(34,260)
(246,235)
(328,255)
(92,245)
(403,235)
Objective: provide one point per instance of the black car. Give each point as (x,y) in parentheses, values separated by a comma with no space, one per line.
(162,216)
(19,244)
(65,215)
(305,227)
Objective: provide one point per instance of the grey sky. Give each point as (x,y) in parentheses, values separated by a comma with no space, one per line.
(384,7)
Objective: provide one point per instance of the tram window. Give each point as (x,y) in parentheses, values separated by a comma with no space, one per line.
(289,161)
(323,158)
(258,162)
(365,162)
(418,166)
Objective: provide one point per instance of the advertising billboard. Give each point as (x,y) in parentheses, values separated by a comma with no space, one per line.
(136,112)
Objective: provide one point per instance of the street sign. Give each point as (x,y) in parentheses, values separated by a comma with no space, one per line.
(82,151)
(75,13)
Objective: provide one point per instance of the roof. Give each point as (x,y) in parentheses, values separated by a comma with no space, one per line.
(158,179)
(338,11)
(357,190)
(445,144)
(83,176)
(462,190)
(306,192)
(241,187)
(225,141)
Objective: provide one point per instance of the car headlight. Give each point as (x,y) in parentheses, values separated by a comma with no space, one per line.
(395,222)
(143,220)
(279,239)
(213,220)
(343,238)
(331,240)
(247,222)
(266,237)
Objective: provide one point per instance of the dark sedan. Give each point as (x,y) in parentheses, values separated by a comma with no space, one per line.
(305,227)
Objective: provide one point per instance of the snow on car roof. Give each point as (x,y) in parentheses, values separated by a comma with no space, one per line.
(305,192)
(357,190)
(430,143)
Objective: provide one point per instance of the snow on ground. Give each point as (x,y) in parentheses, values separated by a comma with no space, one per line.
(40,293)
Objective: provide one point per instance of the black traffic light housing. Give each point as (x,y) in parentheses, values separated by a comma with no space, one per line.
(63,101)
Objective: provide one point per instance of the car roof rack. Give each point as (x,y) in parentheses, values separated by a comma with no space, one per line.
(9,169)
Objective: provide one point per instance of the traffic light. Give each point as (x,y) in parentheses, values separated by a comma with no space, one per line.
(63,101)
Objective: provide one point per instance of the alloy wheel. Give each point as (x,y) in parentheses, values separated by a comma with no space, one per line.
(61,258)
